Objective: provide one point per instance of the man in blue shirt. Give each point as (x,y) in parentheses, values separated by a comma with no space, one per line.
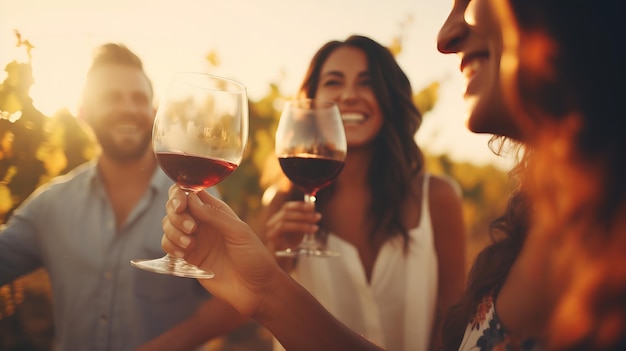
(85,227)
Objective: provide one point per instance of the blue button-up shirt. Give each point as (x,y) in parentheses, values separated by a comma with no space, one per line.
(100,301)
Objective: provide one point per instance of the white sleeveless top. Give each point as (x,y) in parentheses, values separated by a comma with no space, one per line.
(397,309)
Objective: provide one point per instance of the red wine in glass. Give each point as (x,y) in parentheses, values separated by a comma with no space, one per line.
(310,173)
(194,173)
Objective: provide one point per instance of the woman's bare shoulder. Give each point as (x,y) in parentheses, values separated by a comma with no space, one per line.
(439,185)
(444,185)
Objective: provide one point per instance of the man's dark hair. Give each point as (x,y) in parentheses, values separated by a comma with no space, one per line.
(116,54)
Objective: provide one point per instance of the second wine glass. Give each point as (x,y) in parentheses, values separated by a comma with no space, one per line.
(199,136)
(311,149)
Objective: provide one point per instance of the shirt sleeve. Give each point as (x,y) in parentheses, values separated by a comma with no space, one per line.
(19,246)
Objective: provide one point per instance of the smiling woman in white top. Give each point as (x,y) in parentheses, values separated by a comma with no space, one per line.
(399,230)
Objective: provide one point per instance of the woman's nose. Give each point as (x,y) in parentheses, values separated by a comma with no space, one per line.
(453,32)
(348,94)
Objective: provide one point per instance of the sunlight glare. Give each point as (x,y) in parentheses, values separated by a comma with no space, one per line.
(59,74)
(272,43)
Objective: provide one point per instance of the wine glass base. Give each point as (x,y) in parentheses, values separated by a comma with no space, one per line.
(172,266)
(307,252)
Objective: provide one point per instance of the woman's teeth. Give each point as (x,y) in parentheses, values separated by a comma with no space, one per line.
(352,117)
(471,68)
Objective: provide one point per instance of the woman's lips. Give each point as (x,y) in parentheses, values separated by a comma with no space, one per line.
(471,67)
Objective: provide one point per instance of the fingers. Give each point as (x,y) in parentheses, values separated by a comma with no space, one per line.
(291,221)
(178,225)
(211,211)
(204,219)
(177,198)
(204,199)
(297,215)
(174,241)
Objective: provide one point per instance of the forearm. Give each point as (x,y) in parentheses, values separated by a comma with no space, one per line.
(18,253)
(299,322)
(213,319)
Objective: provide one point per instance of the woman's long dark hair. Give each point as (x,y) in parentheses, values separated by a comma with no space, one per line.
(397,158)
(580,80)
(585,72)
(493,263)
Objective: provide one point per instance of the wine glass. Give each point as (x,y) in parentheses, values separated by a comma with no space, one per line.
(199,135)
(311,149)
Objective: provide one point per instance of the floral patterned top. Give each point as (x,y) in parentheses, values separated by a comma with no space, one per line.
(485,333)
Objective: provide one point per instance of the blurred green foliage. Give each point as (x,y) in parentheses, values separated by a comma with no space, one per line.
(35,148)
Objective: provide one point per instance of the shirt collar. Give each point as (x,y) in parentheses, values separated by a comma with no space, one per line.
(158,183)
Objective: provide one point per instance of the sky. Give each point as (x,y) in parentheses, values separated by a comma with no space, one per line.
(258,42)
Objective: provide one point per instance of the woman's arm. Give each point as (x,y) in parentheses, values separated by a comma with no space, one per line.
(213,319)
(450,243)
(299,322)
(209,234)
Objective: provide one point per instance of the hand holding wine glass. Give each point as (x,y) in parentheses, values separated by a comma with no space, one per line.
(199,136)
(311,149)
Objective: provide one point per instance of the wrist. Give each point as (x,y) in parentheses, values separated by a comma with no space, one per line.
(279,294)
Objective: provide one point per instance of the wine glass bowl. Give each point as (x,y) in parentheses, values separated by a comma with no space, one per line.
(199,137)
(311,149)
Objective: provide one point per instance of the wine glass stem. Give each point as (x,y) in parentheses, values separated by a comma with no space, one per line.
(171,262)
(309,242)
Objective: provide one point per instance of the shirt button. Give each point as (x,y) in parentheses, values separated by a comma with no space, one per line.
(108,275)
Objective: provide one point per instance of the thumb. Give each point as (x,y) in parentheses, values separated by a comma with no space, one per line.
(217,214)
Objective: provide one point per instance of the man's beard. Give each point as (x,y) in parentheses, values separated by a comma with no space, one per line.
(123,153)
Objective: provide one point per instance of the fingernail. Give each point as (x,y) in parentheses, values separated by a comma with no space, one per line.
(175,203)
(184,241)
(188,225)
(314,228)
(178,254)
